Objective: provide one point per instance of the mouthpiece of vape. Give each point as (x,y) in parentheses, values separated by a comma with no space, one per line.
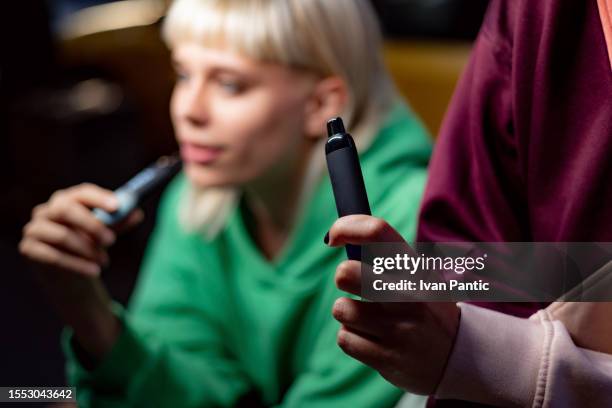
(335,126)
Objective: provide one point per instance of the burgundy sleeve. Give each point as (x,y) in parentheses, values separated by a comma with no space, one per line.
(475,190)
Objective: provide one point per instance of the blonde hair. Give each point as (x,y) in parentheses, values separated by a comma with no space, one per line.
(327,37)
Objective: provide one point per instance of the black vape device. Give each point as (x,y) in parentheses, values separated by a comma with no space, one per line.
(139,188)
(346,177)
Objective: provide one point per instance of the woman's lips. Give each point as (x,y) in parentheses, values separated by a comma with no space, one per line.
(199,154)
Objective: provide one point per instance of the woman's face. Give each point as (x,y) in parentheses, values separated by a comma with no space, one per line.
(237,120)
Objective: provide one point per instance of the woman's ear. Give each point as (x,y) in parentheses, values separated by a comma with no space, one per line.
(328,99)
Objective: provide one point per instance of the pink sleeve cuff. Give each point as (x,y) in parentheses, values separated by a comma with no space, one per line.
(496,358)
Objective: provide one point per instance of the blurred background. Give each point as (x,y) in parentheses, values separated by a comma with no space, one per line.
(84,92)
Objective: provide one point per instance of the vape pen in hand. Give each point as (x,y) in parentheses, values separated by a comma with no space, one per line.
(346,177)
(139,188)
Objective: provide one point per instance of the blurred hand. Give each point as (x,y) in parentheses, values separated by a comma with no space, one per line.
(407,343)
(67,245)
(64,234)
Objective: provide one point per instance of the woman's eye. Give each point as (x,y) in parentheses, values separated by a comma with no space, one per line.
(181,76)
(231,87)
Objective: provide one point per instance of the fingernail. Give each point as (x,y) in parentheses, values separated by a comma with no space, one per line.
(326,238)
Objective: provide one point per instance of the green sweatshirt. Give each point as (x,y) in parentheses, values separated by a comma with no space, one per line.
(213,323)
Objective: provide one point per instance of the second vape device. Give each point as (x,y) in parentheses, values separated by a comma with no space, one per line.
(346,177)
(138,188)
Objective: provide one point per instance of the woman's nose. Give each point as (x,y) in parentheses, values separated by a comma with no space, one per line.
(196,119)
(196,107)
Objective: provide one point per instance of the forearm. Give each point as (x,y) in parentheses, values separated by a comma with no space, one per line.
(97,335)
(83,304)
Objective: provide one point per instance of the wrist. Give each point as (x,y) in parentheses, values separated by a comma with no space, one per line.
(84,304)
(98,332)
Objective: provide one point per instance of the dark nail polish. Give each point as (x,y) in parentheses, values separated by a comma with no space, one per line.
(326,238)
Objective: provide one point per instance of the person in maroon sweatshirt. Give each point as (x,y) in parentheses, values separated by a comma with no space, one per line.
(524,154)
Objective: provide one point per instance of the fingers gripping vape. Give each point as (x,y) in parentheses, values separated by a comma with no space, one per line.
(346,177)
(139,188)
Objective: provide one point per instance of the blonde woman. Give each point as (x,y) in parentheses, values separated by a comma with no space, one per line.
(233,300)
